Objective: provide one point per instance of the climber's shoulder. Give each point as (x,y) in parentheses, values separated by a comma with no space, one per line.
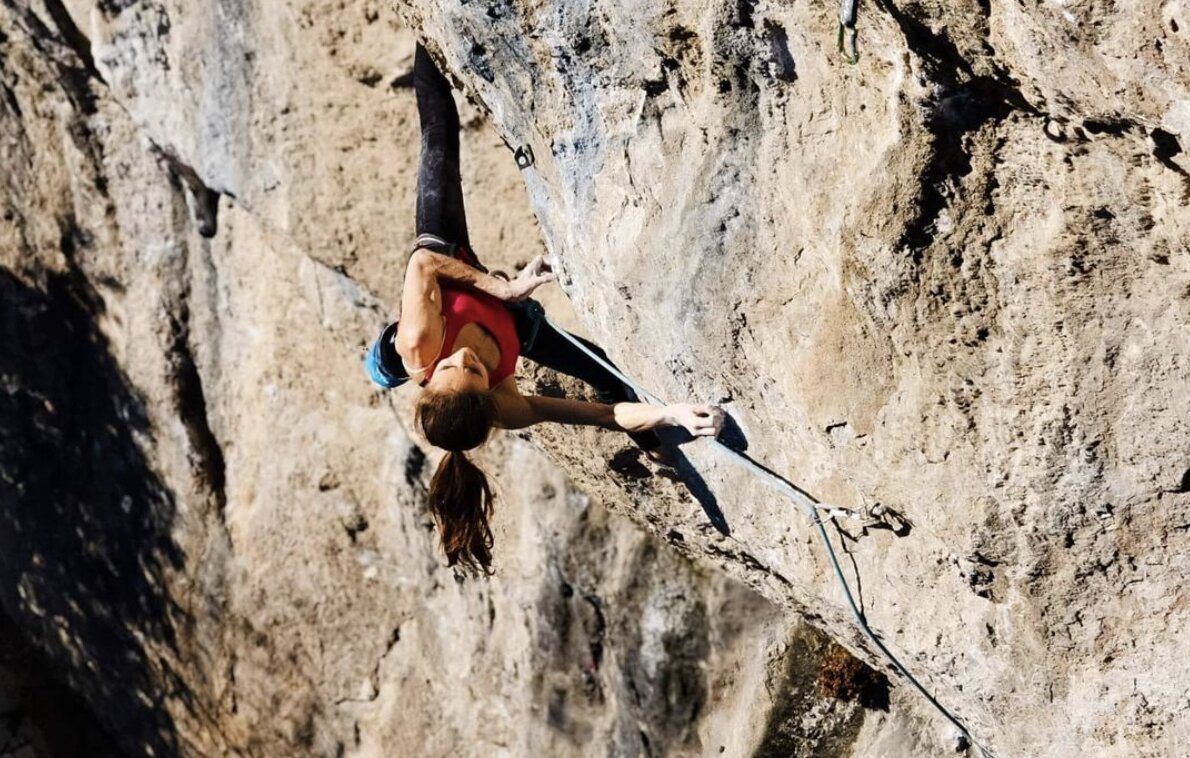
(513,410)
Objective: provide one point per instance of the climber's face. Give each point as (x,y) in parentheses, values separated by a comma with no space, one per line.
(461,371)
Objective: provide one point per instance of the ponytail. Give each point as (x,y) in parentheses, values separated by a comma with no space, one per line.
(461,501)
(460,496)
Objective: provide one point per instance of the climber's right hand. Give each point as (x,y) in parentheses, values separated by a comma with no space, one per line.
(532,276)
(699,420)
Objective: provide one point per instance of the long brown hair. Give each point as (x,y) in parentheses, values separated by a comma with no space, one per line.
(460,497)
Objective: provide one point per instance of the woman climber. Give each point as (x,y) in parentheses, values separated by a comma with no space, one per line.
(460,331)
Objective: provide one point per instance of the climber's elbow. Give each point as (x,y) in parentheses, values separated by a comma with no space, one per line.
(411,342)
(421,262)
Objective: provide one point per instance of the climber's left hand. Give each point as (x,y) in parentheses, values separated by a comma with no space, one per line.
(532,276)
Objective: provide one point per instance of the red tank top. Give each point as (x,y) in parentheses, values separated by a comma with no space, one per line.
(467,306)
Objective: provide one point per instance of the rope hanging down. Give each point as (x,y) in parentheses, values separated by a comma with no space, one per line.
(811,508)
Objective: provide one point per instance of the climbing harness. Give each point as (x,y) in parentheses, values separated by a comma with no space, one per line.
(813,509)
(534,313)
(847,43)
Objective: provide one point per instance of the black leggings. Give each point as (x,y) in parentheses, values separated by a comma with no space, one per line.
(440,208)
(440,212)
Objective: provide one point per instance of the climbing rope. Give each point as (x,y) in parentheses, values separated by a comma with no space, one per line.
(847,43)
(812,508)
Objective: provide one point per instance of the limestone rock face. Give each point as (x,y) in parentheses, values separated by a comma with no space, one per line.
(212,527)
(951,279)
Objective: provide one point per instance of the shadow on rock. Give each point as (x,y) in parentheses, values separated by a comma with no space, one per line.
(730,436)
(84,520)
(38,714)
(686,474)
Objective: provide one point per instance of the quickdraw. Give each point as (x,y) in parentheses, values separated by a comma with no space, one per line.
(847,43)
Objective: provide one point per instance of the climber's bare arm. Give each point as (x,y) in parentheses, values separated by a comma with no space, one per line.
(534,409)
(419,332)
(535,273)
(516,411)
(429,265)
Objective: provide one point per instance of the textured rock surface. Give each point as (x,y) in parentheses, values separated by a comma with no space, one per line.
(952,279)
(211,522)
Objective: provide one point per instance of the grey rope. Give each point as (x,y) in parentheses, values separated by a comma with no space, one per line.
(811,507)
